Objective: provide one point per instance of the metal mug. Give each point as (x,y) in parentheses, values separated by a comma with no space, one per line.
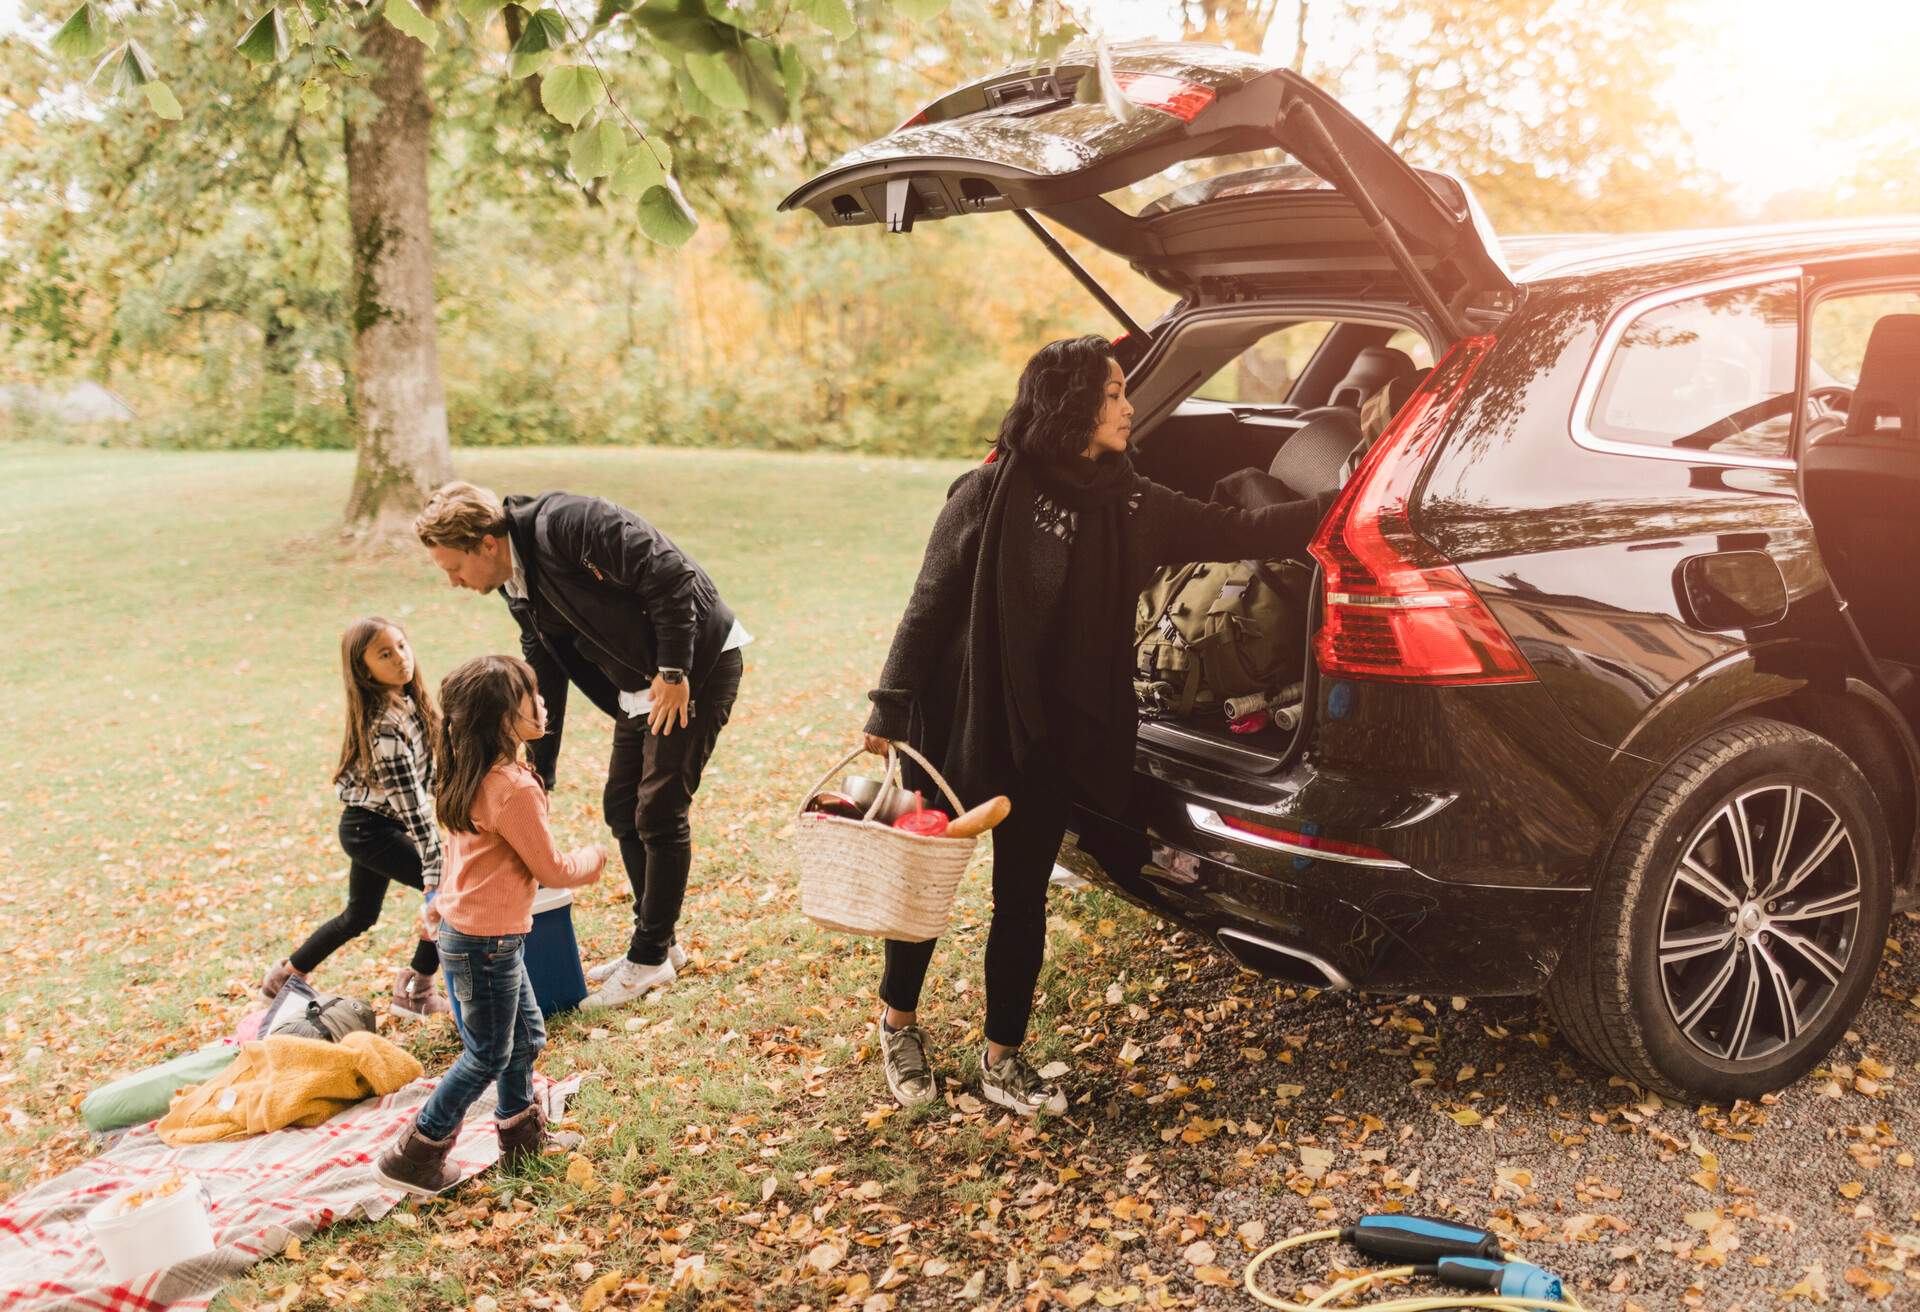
(894,802)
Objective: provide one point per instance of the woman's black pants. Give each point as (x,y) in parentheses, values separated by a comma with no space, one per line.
(1024,848)
(382,854)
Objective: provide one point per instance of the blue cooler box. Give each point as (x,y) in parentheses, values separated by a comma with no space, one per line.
(552,955)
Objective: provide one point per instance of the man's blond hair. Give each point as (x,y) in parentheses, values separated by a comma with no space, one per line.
(459,515)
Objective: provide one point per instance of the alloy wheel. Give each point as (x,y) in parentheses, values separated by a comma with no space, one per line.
(1760,922)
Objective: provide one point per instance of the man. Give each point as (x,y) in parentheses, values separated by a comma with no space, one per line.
(606,602)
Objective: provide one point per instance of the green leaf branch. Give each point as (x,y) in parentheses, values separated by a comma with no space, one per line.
(720,68)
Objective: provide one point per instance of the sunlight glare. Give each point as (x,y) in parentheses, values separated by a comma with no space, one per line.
(1780,88)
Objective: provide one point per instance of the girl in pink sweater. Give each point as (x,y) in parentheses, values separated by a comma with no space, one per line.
(498,849)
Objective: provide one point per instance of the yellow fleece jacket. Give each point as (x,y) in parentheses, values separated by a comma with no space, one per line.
(284,1080)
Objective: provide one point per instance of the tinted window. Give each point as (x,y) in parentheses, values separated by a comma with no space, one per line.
(1706,374)
(1265,371)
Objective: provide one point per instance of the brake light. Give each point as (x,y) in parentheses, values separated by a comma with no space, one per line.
(1170,95)
(1313,842)
(1396,609)
(916,121)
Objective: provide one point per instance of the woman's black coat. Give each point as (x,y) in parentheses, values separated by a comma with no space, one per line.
(921,685)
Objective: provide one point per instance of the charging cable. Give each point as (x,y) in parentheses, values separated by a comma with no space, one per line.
(1457,1255)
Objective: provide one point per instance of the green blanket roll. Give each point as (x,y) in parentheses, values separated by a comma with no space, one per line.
(144,1095)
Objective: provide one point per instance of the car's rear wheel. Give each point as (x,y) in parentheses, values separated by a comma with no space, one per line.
(1738,921)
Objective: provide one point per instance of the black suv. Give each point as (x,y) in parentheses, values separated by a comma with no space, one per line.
(1608,691)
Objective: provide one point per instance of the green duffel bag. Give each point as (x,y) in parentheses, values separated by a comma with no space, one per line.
(1206,632)
(143,1096)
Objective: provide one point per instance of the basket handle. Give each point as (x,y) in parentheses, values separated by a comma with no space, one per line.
(824,779)
(932,774)
(892,776)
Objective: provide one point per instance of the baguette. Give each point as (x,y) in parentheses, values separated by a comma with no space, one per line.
(979,820)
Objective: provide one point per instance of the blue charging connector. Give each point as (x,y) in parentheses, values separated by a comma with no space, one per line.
(1508,1279)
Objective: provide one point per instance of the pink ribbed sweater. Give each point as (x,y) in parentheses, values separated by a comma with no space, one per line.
(488,887)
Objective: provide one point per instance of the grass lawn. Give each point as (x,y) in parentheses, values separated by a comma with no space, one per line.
(166,831)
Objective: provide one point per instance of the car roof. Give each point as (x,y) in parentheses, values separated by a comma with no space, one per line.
(1538,258)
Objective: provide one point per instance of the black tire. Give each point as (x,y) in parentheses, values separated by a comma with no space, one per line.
(1635,991)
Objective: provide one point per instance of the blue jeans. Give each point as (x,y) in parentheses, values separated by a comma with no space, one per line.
(501,1030)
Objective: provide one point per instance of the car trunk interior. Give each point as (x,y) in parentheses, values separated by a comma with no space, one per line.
(1191,443)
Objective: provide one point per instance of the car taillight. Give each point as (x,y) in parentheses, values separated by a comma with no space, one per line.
(1396,609)
(1183,100)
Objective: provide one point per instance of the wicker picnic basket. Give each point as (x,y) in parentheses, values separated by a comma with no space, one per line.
(866,877)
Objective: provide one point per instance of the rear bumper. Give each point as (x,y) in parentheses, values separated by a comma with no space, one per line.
(1320,921)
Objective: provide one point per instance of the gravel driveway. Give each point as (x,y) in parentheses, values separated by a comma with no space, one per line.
(1219,1112)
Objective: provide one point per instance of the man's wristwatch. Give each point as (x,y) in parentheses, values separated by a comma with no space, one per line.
(672,676)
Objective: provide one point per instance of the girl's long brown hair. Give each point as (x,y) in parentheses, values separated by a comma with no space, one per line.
(367,698)
(479,701)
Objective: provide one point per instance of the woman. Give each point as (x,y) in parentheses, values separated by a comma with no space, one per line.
(1011,667)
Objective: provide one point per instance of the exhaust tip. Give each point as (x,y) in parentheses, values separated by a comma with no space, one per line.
(1279,961)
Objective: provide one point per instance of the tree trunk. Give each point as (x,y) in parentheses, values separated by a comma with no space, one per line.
(399,401)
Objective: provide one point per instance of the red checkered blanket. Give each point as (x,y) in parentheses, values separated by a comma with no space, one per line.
(265,1191)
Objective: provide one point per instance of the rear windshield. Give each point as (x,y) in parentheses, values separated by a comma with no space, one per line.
(1196,181)
(1230,177)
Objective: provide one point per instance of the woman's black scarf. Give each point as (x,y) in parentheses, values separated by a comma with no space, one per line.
(1063,677)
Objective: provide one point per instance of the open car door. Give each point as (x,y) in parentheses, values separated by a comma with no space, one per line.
(1043,141)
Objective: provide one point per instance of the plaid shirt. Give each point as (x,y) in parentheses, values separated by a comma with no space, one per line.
(402,783)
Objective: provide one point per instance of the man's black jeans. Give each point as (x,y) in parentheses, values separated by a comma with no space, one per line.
(651,781)
(382,854)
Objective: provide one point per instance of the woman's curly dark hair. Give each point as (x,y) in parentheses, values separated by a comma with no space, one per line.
(1058,401)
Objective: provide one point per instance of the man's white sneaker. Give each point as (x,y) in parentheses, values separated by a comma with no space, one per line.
(676,955)
(629,980)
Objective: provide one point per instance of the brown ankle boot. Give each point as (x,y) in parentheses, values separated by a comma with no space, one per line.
(277,979)
(415,996)
(523,1137)
(417,1164)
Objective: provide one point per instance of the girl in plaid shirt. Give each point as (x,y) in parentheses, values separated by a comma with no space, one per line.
(385,780)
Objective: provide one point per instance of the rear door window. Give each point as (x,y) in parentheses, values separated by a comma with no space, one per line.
(1839,330)
(1264,373)
(1712,373)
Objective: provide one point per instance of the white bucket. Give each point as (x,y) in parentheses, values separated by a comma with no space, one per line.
(155,1234)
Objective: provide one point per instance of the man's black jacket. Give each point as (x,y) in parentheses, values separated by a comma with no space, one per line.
(609,601)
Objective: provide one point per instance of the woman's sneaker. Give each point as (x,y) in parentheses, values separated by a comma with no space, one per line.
(1016,1085)
(904,1054)
(676,957)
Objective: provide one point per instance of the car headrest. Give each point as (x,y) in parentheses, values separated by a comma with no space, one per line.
(1309,462)
(1887,399)
(1373,368)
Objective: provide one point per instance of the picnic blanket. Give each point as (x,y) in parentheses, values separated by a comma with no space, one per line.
(266,1190)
